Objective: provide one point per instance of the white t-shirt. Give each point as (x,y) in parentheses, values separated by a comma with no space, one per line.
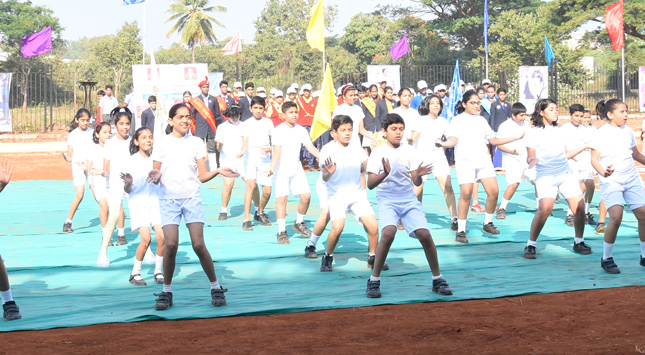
(108,103)
(258,133)
(290,141)
(230,135)
(80,142)
(411,118)
(510,129)
(548,143)
(615,146)
(430,130)
(178,158)
(473,133)
(142,191)
(347,178)
(577,136)
(398,185)
(117,151)
(356,113)
(95,154)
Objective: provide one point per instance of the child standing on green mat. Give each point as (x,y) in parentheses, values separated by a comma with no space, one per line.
(9,306)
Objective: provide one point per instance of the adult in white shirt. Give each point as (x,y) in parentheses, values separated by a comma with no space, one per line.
(546,151)
(229,140)
(469,133)
(107,104)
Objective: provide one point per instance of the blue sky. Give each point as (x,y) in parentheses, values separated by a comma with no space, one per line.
(92,18)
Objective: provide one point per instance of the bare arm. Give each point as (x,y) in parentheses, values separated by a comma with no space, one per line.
(275,158)
(313,150)
(245,146)
(506,150)
(363,131)
(205,175)
(6,169)
(374,180)
(501,141)
(531,159)
(638,156)
(572,153)
(106,167)
(451,142)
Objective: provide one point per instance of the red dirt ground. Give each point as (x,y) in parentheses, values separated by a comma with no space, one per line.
(599,321)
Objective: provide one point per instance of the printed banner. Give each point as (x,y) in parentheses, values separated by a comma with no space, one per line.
(388,73)
(534,85)
(5,114)
(641,89)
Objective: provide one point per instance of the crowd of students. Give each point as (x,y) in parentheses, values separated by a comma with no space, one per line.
(375,141)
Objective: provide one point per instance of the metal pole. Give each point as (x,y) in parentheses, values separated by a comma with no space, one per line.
(486,66)
(143,60)
(623,71)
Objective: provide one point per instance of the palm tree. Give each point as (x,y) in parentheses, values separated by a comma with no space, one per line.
(193,22)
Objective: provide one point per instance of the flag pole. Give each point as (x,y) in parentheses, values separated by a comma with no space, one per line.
(486,65)
(143,55)
(623,71)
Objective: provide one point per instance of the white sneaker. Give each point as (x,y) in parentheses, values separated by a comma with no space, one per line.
(150,257)
(103,262)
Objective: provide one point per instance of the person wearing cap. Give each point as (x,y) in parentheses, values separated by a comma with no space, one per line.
(245,101)
(306,109)
(291,94)
(485,83)
(441,91)
(224,99)
(274,108)
(272,94)
(203,128)
(237,88)
(261,92)
(339,94)
(416,100)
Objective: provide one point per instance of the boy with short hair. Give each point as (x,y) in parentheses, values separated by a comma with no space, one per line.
(288,138)
(107,103)
(148,116)
(395,169)
(256,132)
(230,142)
(514,155)
(344,164)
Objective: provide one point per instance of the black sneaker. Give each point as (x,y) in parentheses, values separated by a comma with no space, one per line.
(326,263)
(310,252)
(589,219)
(441,287)
(262,218)
(642,261)
(530,252)
(67,227)
(283,238)
(582,248)
(222,216)
(373,289)
(609,266)
(120,240)
(217,297)
(501,213)
(137,280)
(247,226)
(164,300)
(461,237)
(11,311)
(569,220)
(490,228)
(453,225)
(302,229)
(370,263)
(600,229)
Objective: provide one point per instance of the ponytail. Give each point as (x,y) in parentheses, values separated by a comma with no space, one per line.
(607,106)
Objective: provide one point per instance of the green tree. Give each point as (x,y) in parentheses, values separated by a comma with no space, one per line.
(193,22)
(367,36)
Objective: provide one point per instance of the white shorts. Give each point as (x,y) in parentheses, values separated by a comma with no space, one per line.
(567,184)
(256,168)
(515,171)
(321,191)
(235,164)
(172,210)
(439,165)
(356,203)
(78,175)
(470,175)
(99,186)
(410,213)
(631,193)
(298,184)
(144,215)
(583,170)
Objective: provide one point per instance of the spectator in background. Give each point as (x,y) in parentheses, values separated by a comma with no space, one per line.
(107,104)
(416,100)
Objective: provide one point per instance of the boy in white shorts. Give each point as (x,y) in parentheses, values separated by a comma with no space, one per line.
(256,132)
(288,139)
(395,168)
(514,155)
(229,141)
(343,166)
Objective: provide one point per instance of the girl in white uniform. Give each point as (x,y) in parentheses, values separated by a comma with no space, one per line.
(229,140)
(546,151)
(410,116)
(78,141)
(98,182)
(143,203)
(613,153)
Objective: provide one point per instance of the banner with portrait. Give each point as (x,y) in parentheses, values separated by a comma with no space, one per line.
(391,74)
(534,85)
(5,114)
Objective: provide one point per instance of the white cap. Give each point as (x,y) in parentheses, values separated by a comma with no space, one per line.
(241,94)
(237,85)
(339,91)
(461,83)
(261,89)
(262,95)
(307,87)
(278,93)
(422,84)
(468,88)
(367,85)
(316,93)
(440,87)
(291,90)
(272,91)
(485,81)
(412,91)
(295,85)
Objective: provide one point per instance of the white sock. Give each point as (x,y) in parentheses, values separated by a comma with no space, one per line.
(587,207)
(488,218)
(578,240)
(461,225)
(136,269)
(215,285)
(158,264)
(121,231)
(643,249)
(68,221)
(282,225)
(167,288)
(300,218)
(531,243)
(255,208)
(504,203)
(313,240)
(372,278)
(437,277)
(224,210)
(6,296)
(607,250)
(569,212)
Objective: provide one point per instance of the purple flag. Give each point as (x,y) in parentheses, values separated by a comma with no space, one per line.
(399,49)
(37,43)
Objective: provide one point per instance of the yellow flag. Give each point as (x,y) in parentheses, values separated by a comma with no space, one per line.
(326,105)
(316,29)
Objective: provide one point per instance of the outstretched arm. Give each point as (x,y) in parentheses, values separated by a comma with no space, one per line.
(374,180)
(6,169)
(451,142)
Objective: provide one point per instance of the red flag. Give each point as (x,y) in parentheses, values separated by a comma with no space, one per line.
(614,23)
(233,46)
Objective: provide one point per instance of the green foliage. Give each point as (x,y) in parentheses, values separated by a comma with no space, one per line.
(193,22)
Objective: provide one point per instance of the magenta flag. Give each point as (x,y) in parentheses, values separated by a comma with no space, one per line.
(37,43)
(400,48)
